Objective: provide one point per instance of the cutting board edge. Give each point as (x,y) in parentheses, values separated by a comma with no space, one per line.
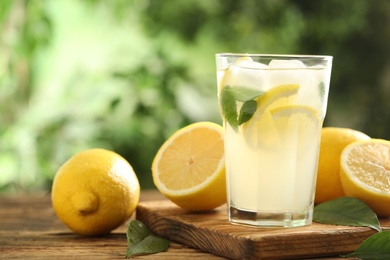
(188,233)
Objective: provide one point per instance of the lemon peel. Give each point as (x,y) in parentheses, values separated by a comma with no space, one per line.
(333,141)
(95,191)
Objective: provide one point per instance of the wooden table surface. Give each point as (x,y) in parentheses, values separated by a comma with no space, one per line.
(29,229)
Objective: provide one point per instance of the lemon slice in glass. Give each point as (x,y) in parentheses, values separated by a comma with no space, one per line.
(292,118)
(298,128)
(260,130)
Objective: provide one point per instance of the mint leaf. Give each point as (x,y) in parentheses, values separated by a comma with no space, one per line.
(229,107)
(141,240)
(247,110)
(229,97)
(243,94)
(321,88)
(346,211)
(374,248)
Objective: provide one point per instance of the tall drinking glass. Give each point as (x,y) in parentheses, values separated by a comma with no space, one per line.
(273,107)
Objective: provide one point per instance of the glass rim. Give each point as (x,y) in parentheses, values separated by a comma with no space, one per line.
(272,56)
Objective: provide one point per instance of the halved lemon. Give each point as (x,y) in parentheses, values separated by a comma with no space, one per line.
(261,129)
(189,168)
(365,173)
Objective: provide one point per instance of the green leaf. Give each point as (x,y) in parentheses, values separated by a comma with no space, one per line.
(346,211)
(141,240)
(229,97)
(229,106)
(247,110)
(321,88)
(374,248)
(243,94)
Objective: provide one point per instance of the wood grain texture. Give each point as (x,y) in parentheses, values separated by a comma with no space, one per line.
(213,233)
(29,229)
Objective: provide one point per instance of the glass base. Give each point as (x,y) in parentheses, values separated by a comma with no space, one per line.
(271,219)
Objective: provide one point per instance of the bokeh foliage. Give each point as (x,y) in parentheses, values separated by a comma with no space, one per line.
(124,75)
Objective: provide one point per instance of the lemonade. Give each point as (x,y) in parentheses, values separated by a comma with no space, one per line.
(273,109)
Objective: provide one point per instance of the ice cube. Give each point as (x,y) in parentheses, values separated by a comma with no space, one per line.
(315,92)
(286,72)
(247,62)
(246,72)
(286,64)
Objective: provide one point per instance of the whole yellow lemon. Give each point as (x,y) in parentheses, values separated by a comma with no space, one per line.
(95,191)
(333,141)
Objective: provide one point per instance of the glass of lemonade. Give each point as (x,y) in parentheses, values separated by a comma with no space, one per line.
(273,107)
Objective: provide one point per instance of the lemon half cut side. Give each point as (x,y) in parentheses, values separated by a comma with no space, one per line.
(365,173)
(189,168)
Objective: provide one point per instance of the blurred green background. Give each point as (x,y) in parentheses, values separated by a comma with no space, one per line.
(125,74)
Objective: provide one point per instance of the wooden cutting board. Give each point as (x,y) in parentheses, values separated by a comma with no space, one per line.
(213,233)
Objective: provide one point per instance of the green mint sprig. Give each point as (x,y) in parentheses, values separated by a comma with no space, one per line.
(229,97)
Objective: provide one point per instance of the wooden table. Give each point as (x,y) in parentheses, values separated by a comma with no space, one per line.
(29,229)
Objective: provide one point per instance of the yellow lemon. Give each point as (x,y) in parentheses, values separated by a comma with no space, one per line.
(189,167)
(260,130)
(297,129)
(365,173)
(333,141)
(95,191)
(278,96)
(303,119)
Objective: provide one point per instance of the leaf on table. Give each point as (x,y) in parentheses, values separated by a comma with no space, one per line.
(141,240)
(374,248)
(346,211)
